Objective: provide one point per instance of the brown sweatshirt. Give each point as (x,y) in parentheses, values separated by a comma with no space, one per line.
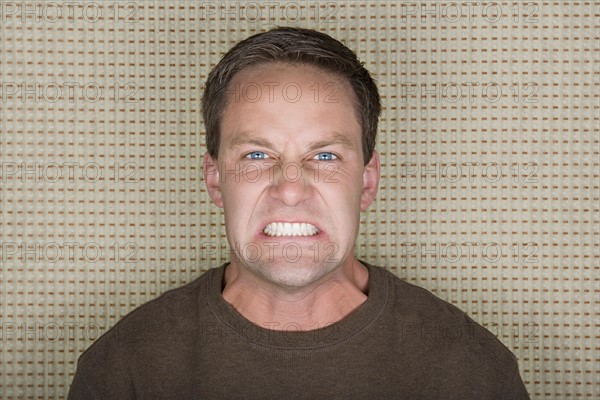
(401,343)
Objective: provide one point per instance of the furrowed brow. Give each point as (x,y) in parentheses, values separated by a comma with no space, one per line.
(247,138)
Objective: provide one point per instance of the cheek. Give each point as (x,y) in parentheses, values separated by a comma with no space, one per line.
(240,198)
(342,197)
(347,184)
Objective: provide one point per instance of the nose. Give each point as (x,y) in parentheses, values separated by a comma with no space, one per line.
(290,185)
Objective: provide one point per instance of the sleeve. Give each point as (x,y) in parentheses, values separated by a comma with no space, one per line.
(103,373)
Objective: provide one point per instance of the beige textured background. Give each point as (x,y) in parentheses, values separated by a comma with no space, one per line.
(103,206)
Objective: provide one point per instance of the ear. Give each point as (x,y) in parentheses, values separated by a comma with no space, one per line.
(371,176)
(213,182)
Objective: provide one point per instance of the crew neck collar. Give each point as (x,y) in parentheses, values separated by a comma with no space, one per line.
(351,325)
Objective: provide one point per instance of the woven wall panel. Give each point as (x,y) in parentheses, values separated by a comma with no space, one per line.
(490,181)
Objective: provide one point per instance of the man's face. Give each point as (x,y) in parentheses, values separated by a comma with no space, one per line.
(290,173)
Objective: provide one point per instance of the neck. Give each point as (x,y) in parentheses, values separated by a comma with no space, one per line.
(322,303)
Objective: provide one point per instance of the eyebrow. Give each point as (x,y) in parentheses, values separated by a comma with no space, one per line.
(248,138)
(337,138)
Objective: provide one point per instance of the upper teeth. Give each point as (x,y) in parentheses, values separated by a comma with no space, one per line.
(290,229)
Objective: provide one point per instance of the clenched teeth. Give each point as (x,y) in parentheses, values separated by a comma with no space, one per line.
(290,229)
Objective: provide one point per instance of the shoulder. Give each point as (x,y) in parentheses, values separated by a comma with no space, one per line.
(154,334)
(158,320)
(448,333)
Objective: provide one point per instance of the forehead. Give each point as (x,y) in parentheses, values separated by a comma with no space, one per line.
(293,83)
(289,96)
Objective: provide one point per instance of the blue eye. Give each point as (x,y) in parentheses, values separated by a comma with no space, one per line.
(326,156)
(256,155)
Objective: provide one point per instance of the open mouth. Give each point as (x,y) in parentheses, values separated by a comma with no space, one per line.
(290,229)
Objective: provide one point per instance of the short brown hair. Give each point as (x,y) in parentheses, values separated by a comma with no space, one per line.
(294,46)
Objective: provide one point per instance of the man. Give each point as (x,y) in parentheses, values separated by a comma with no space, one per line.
(291,119)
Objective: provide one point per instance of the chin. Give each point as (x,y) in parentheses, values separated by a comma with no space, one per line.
(292,274)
